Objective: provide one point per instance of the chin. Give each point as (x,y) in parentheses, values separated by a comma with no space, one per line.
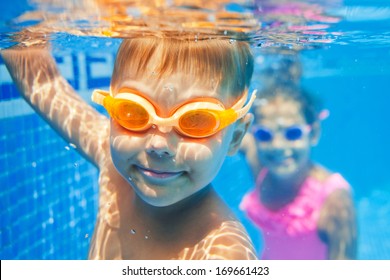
(158,201)
(284,171)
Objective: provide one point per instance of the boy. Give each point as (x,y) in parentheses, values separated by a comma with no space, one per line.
(177,109)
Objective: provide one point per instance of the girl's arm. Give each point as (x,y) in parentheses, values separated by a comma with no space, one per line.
(249,149)
(36,75)
(337,225)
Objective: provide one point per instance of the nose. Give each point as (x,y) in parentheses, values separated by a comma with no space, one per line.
(278,141)
(159,146)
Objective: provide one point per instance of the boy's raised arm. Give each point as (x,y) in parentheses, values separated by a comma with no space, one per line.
(36,75)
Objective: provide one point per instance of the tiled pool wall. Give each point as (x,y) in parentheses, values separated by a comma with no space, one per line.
(48,192)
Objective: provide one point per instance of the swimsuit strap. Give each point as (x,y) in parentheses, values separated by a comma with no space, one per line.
(260,178)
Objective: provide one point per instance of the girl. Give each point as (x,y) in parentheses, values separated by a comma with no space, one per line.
(304,210)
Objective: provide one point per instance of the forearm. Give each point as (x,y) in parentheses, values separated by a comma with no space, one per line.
(35,73)
(337,226)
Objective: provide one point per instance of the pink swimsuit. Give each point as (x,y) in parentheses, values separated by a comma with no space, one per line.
(291,232)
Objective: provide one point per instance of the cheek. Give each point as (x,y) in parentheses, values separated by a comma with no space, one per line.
(205,155)
(124,144)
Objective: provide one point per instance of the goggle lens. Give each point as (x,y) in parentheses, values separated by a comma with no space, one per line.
(131,115)
(198,123)
(293,133)
(263,135)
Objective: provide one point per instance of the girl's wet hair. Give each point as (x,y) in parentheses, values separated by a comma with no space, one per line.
(311,105)
(223,64)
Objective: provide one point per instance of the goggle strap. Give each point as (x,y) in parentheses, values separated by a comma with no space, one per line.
(240,103)
(227,117)
(241,112)
(99,95)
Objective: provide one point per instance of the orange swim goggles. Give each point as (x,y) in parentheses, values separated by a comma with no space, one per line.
(197,119)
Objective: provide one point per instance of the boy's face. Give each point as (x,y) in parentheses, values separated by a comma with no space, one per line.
(281,156)
(163,166)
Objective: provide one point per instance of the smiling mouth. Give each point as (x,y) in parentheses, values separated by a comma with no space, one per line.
(157,175)
(282,160)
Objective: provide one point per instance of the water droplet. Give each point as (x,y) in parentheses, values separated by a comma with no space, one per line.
(86,235)
(73,145)
(130,179)
(154,126)
(67,148)
(34,164)
(146,237)
(132,231)
(196,38)
(225,32)
(76,164)
(231,41)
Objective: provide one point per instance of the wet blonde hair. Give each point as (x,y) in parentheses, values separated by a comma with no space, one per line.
(224,64)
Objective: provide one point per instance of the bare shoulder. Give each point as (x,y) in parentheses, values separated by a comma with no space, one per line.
(320,173)
(338,205)
(229,242)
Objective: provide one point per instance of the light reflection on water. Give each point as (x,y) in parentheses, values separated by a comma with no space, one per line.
(296,25)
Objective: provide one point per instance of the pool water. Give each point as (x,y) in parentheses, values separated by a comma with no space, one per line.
(48,192)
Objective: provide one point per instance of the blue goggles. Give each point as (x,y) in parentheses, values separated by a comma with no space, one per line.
(292,133)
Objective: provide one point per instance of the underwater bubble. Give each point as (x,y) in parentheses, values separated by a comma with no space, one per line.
(34,164)
(169,88)
(132,231)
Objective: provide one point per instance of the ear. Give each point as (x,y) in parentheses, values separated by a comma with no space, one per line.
(315,133)
(239,132)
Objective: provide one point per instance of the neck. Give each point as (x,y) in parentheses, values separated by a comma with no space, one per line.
(292,181)
(174,214)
